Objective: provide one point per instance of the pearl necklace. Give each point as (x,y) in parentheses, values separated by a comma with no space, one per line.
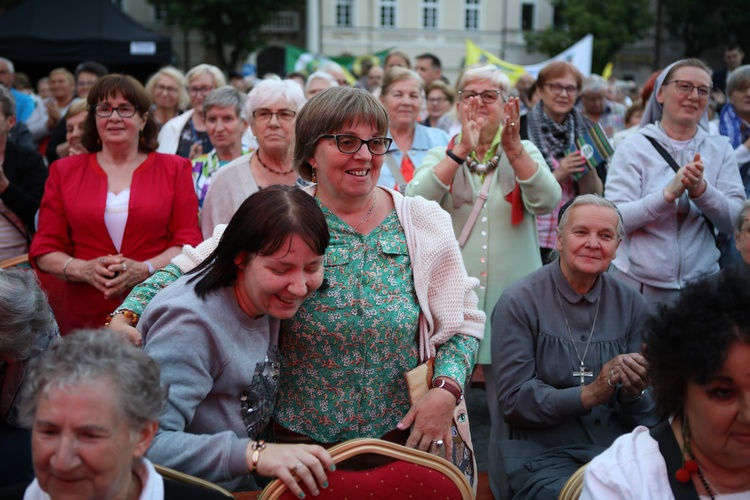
(277,172)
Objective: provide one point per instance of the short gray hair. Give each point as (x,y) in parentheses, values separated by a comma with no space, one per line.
(96,355)
(594,84)
(590,199)
(740,77)
(7,102)
(225,97)
(485,72)
(203,69)
(271,90)
(320,75)
(744,211)
(9,64)
(24,312)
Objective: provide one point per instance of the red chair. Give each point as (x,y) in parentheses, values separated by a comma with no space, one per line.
(412,474)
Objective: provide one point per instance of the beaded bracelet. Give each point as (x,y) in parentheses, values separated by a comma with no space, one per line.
(511,160)
(257,447)
(133,317)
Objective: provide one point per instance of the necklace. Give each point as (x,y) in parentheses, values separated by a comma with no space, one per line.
(369,212)
(710,489)
(482,168)
(277,172)
(584,371)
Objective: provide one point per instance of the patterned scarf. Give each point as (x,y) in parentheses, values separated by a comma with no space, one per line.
(554,138)
(733,126)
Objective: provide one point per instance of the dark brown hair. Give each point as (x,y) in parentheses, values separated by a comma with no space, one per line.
(133,92)
(558,69)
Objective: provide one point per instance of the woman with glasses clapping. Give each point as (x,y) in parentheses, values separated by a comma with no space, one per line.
(186,135)
(675,185)
(553,125)
(108,219)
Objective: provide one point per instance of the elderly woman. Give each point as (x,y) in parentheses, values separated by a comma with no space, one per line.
(27,328)
(167,88)
(109,218)
(566,363)
(271,108)
(674,183)
(318,82)
(185,135)
(553,125)
(225,123)
(597,108)
(94,401)
(440,99)
(268,262)
(75,121)
(490,156)
(62,86)
(703,385)
(401,96)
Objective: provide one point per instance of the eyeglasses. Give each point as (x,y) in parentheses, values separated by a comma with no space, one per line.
(745,231)
(104,110)
(350,144)
(436,100)
(684,87)
(558,89)
(283,115)
(85,83)
(200,90)
(168,90)
(488,96)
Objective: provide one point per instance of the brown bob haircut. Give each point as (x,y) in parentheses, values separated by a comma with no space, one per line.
(329,112)
(558,69)
(133,92)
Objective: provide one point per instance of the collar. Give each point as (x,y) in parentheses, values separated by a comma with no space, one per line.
(567,291)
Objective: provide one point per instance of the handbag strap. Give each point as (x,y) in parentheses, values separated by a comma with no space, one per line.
(396,172)
(484,193)
(663,152)
(670,450)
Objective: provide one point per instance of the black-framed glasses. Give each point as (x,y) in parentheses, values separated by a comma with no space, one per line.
(558,89)
(264,115)
(350,144)
(436,100)
(104,110)
(200,90)
(686,88)
(488,96)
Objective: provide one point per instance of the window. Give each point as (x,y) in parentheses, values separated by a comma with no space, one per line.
(344,13)
(430,14)
(471,21)
(557,19)
(387,13)
(527,16)
(284,21)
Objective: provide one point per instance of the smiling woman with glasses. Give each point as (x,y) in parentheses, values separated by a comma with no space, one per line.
(553,124)
(186,135)
(169,94)
(109,218)
(440,100)
(676,185)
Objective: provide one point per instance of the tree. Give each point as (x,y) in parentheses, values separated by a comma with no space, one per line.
(707,25)
(230,28)
(614,23)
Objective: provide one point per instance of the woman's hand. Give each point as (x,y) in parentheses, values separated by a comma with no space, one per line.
(471,125)
(688,178)
(600,390)
(283,461)
(122,325)
(431,416)
(574,163)
(195,151)
(510,137)
(53,113)
(77,149)
(632,371)
(129,273)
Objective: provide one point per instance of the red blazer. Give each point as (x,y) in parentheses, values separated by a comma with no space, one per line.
(162,213)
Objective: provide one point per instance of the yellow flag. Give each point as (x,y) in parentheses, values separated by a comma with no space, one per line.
(476,55)
(608,70)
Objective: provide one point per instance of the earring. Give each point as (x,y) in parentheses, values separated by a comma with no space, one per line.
(314,177)
(689,467)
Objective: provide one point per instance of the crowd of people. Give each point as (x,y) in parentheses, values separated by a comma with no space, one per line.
(271,262)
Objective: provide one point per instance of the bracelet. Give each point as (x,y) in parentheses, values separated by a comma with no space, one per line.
(511,160)
(150,267)
(133,317)
(257,447)
(626,401)
(65,268)
(450,154)
(457,393)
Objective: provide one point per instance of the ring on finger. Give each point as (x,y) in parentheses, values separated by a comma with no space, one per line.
(297,467)
(124,267)
(609,383)
(439,443)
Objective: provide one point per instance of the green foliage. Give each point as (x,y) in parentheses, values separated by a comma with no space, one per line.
(614,23)
(230,28)
(707,25)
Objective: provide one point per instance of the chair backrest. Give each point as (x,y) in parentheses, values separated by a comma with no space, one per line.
(574,485)
(14,261)
(181,477)
(411,474)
